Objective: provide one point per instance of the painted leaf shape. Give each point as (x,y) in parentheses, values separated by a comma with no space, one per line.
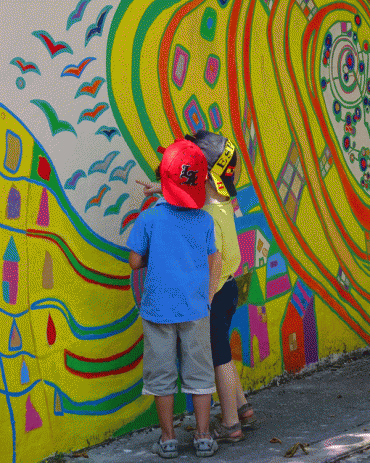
(51,331)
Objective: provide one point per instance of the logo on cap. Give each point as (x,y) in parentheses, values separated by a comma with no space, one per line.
(190,175)
(224,159)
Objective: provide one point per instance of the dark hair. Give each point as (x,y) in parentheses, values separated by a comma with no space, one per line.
(157,173)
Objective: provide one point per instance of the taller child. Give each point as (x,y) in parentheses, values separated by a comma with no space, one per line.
(221,157)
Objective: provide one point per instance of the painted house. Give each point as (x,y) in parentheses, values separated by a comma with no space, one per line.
(299,331)
(254,248)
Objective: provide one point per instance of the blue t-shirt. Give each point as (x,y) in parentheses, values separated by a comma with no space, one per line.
(177,242)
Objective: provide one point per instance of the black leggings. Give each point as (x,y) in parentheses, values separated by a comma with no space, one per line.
(223,308)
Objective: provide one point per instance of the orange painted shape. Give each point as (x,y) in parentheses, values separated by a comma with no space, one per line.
(236,346)
(293,353)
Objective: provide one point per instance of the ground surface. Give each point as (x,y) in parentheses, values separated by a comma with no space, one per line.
(327,408)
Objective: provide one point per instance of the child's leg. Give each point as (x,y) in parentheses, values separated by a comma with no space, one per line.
(164,406)
(196,366)
(222,309)
(202,410)
(240,397)
(227,392)
(160,372)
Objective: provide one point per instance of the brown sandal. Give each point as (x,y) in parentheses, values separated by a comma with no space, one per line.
(247,420)
(224,433)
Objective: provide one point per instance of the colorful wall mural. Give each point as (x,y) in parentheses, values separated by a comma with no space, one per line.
(89,90)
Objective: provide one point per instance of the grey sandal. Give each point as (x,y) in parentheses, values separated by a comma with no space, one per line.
(166,449)
(205,447)
(224,433)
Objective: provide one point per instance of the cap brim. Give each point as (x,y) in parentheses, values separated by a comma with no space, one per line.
(177,196)
(224,187)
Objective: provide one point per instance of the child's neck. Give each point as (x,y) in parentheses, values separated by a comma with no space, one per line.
(212,197)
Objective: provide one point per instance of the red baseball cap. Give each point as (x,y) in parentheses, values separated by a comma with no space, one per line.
(183,172)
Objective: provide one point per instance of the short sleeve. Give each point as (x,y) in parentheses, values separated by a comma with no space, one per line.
(211,248)
(138,240)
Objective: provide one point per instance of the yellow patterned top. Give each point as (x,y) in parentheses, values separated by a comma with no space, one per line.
(226,237)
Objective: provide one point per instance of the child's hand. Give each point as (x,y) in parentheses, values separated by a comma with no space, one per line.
(150,188)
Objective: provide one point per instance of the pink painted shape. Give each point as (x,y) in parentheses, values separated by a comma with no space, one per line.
(246,245)
(180,52)
(11,275)
(33,419)
(277,286)
(43,215)
(136,287)
(304,294)
(212,75)
(344,27)
(258,329)
(298,302)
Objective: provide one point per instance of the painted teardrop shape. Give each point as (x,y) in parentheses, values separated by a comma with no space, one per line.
(51,331)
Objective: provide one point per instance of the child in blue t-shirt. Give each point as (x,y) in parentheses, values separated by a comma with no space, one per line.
(175,240)
(222,158)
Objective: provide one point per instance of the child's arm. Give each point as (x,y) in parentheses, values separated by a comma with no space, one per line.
(150,188)
(215,270)
(136,261)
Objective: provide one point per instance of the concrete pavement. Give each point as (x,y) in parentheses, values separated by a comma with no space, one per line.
(326,406)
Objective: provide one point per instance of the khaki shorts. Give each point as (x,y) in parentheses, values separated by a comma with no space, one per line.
(160,353)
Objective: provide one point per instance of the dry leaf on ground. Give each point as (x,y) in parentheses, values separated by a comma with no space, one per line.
(275,440)
(292,451)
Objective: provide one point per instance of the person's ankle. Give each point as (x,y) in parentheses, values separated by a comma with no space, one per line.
(245,413)
(229,424)
(202,435)
(166,437)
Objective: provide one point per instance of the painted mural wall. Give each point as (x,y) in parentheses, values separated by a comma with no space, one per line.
(88,90)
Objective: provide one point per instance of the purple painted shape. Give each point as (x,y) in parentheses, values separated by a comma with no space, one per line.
(246,245)
(310,334)
(259,329)
(33,419)
(43,215)
(11,275)
(277,286)
(214,114)
(180,66)
(14,204)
